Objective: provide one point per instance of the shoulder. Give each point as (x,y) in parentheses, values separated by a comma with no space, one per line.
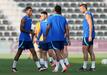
(88,13)
(50,17)
(24,17)
(64,17)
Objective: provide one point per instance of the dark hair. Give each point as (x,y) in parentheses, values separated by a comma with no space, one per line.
(58,9)
(44,12)
(27,8)
(84,5)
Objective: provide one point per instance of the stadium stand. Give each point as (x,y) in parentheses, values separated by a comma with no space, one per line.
(6,30)
(70,10)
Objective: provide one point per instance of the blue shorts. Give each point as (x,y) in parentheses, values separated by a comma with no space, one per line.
(86,42)
(25,45)
(44,46)
(57,45)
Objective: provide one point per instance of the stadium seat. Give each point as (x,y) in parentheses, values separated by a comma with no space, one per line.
(92,10)
(99,10)
(7,34)
(105,10)
(2,28)
(13,34)
(1,34)
(71,12)
(103,16)
(105,21)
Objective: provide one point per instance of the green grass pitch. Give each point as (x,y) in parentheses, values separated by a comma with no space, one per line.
(27,67)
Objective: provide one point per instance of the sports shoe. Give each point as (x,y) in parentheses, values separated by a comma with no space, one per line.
(40,69)
(91,69)
(69,65)
(82,69)
(14,70)
(64,70)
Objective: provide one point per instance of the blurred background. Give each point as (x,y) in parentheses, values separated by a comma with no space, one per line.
(11,11)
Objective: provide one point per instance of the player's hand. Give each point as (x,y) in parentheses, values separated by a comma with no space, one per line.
(69,42)
(37,42)
(32,32)
(44,38)
(90,38)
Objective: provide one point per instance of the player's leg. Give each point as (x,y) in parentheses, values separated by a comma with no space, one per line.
(41,57)
(43,62)
(45,59)
(65,56)
(52,56)
(60,59)
(85,56)
(21,47)
(85,49)
(35,58)
(92,55)
(41,53)
(58,46)
(30,46)
(16,58)
(38,52)
(65,51)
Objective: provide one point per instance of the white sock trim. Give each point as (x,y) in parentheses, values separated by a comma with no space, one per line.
(14,64)
(66,61)
(46,64)
(62,63)
(38,64)
(93,64)
(85,64)
(42,61)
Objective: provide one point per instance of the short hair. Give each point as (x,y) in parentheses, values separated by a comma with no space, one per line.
(58,9)
(84,5)
(27,8)
(44,12)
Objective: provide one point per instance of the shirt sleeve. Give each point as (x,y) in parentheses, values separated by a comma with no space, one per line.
(24,18)
(89,13)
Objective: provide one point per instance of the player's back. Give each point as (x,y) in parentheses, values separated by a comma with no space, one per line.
(58,23)
(27,26)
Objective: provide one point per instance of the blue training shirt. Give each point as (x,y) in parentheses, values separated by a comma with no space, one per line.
(43,26)
(27,26)
(57,30)
(86,26)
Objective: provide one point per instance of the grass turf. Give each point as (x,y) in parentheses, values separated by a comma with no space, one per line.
(27,67)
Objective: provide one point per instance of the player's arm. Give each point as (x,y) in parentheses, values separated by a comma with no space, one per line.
(66,29)
(22,28)
(89,20)
(47,29)
(67,33)
(49,25)
(39,35)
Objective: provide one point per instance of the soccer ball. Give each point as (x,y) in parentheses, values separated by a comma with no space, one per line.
(104,61)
